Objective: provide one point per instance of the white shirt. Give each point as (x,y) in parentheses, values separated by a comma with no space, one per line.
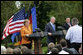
(74,34)
(49,52)
(63,52)
(51,23)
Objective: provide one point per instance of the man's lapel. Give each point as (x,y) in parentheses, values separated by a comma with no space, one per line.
(51,26)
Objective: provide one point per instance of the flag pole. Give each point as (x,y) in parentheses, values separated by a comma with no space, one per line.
(22,5)
(39,49)
(29,10)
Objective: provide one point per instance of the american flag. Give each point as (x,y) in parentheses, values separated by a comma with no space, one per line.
(15,23)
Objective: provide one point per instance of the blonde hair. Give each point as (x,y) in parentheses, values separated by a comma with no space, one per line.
(26,20)
(51,45)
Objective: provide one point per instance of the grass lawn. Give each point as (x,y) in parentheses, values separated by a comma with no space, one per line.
(44,50)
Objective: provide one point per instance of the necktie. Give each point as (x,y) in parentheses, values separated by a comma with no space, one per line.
(54,27)
(69,24)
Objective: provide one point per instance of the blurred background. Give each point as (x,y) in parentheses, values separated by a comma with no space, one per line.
(44,10)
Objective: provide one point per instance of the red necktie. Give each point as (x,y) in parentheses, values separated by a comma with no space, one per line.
(69,24)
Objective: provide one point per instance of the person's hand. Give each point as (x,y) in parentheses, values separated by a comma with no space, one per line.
(27,35)
(80,51)
(49,34)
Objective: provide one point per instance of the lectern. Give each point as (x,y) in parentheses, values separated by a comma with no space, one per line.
(37,39)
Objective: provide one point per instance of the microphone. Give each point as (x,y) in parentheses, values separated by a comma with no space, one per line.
(38,29)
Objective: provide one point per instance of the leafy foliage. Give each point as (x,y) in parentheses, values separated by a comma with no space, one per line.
(44,10)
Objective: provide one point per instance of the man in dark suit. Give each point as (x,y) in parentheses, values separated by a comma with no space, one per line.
(67,24)
(51,28)
(64,46)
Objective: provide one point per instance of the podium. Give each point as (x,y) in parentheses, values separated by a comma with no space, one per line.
(37,39)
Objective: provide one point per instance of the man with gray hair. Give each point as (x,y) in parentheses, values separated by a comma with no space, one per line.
(51,28)
(74,34)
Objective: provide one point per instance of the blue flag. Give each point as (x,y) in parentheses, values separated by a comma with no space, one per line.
(34,19)
(14,35)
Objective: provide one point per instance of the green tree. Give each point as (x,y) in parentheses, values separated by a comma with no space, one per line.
(44,10)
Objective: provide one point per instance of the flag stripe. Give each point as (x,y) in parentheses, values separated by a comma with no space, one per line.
(18,21)
(16,25)
(14,30)
(5,35)
(10,20)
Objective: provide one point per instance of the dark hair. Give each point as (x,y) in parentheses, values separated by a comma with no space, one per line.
(67,17)
(59,47)
(25,50)
(75,21)
(17,51)
(63,43)
(54,51)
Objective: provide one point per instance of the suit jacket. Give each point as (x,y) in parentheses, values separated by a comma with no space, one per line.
(67,50)
(66,26)
(49,28)
(73,50)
